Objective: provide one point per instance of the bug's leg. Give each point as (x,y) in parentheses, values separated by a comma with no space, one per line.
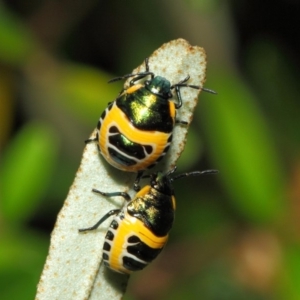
(197,87)
(137,76)
(113,194)
(95,139)
(177,90)
(147,64)
(91,140)
(105,217)
(181,84)
(136,186)
(122,77)
(181,122)
(143,74)
(132,82)
(111,212)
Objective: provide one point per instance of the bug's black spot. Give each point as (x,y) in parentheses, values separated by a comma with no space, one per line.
(149,149)
(110,105)
(124,145)
(106,246)
(109,235)
(113,129)
(120,159)
(114,224)
(167,149)
(99,124)
(160,158)
(106,263)
(143,251)
(133,239)
(151,166)
(103,115)
(132,265)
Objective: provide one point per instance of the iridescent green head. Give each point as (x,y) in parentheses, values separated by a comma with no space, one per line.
(162,183)
(159,86)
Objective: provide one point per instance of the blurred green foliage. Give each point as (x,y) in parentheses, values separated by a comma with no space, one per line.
(27,167)
(17,43)
(236,235)
(242,146)
(80,89)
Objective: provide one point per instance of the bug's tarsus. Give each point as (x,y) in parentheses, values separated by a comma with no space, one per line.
(90,140)
(147,64)
(136,185)
(171,171)
(105,217)
(181,122)
(137,76)
(113,194)
(208,91)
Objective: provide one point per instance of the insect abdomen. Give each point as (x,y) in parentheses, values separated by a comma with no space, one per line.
(130,246)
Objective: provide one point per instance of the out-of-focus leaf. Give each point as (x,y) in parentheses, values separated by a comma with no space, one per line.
(291,274)
(203,6)
(214,282)
(192,151)
(21,258)
(86,91)
(16,43)
(26,170)
(197,219)
(243,149)
(280,92)
(6,105)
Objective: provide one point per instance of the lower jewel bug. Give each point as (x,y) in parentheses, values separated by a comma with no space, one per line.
(140,229)
(135,131)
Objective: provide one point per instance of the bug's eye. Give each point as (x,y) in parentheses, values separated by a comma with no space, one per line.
(147,82)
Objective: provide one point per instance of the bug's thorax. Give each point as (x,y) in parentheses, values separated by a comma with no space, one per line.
(154,208)
(148,111)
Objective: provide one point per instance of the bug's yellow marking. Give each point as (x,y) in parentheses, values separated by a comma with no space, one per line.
(172,109)
(133,89)
(173,202)
(128,227)
(158,140)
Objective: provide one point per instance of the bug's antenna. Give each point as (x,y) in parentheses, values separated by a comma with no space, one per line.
(208,91)
(195,173)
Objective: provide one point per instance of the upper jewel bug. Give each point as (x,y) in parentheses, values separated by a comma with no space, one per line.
(135,131)
(140,230)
